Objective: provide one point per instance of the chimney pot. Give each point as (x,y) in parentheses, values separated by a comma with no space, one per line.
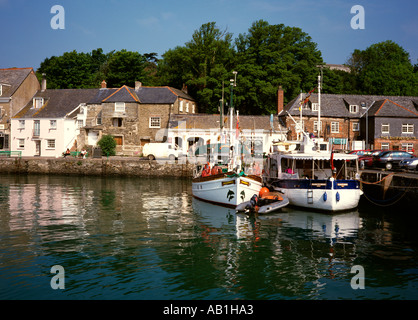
(138,84)
(184,89)
(280,100)
(104,84)
(43,82)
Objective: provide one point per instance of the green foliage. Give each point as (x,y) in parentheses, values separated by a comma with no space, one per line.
(108,145)
(384,69)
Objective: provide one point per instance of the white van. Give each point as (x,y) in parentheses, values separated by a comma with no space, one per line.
(161,151)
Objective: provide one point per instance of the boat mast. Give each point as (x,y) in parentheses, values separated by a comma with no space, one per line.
(319,105)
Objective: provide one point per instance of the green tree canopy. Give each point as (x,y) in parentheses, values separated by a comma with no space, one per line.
(384,69)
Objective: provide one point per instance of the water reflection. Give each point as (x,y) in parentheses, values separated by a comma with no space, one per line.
(149,239)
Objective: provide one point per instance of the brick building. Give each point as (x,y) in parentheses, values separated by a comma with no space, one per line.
(345,119)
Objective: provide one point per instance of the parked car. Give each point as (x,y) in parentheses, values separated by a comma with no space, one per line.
(360,153)
(390,159)
(366,160)
(409,164)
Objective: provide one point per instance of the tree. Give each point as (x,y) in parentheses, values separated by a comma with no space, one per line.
(126,67)
(384,69)
(108,145)
(269,56)
(201,64)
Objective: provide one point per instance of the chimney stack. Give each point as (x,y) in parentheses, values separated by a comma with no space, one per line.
(104,84)
(138,84)
(184,89)
(43,82)
(280,100)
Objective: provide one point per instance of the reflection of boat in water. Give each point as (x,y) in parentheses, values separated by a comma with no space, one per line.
(334,227)
(266,202)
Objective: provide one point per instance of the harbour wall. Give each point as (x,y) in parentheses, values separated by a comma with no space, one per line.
(113,166)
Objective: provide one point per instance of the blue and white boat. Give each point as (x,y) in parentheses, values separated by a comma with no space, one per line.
(312,176)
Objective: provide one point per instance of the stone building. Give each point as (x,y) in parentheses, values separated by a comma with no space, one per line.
(382,122)
(133,116)
(17,87)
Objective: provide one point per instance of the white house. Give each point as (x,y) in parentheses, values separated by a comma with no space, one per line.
(49,124)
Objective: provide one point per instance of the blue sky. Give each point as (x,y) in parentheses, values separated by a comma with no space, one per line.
(159,25)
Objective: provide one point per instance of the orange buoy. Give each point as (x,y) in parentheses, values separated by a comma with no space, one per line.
(263,191)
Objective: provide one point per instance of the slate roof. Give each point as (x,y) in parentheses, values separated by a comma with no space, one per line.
(160,95)
(57,103)
(211,121)
(144,95)
(12,78)
(337,105)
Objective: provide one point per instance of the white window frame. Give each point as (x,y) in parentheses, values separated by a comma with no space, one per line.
(187,107)
(38,102)
(181,106)
(119,106)
(315,106)
(353,108)
(52,124)
(22,124)
(384,126)
(385,146)
(155,122)
(21,143)
(407,128)
(193,108)
(80,124)
(315,126)
(356,126)
(408,147)
(50,144)
(1,90)
(335,127)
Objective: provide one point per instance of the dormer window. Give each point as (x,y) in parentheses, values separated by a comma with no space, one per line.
(315,106)
(353,108)
(38,102)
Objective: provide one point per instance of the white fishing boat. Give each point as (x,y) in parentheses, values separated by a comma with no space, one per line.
(227,182)
(311,175)
(314,177)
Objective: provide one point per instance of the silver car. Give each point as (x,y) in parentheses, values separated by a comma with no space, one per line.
(409,164)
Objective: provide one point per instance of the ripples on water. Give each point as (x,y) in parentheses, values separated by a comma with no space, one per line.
(126,238)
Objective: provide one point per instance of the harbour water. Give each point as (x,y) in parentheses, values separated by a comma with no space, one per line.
(148,239)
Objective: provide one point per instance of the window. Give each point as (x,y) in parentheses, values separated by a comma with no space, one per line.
(408,128)
(385,127)
(180,106)
(408,147)
(119,106)
(38,102)
(193,110)
(335,127)
(21,124)
(1,90)
(315,106)
(99,118)
(80,124)
(50,144)
(52,124)
(21,143)
(315,126)
(385,146)
(353,108)
(356,126)
(117,122)
(155,122)
(187,107)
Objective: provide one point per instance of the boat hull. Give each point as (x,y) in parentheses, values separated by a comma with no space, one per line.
(225,190)
(326,195)
(267,208)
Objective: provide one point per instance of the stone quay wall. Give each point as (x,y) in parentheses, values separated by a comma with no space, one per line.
(114,166)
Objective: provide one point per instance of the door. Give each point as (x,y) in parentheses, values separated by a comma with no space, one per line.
(37,148)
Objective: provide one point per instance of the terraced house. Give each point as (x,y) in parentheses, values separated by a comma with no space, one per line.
(383,122)
(133,116)
(17,87)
